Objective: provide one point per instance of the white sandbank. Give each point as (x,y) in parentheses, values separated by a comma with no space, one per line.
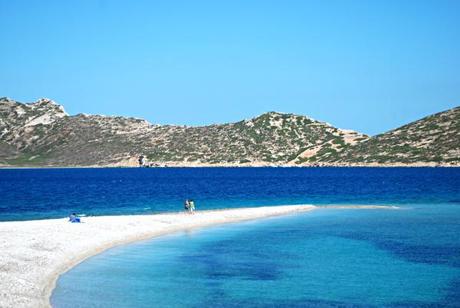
(34,253)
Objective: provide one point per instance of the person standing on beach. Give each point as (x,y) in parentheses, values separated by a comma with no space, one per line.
(187,205)
(192,206)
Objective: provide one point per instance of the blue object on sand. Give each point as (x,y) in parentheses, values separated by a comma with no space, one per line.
(73,218)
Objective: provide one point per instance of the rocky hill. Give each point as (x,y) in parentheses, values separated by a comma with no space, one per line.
(272,138)
(43,134)
(433,140)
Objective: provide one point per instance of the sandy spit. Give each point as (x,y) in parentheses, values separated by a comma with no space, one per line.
(34,253)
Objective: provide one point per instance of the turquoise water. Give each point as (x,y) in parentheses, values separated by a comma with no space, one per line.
(325,258)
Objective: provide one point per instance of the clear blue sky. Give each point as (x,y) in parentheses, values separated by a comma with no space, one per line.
(366,65)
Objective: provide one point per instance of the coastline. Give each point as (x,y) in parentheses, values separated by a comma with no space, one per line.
(35,253)
(415,165)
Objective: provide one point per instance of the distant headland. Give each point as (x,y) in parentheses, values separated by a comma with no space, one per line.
(42,134)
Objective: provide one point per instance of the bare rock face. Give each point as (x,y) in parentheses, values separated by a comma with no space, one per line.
(44,111)
(43,134)
(23,125)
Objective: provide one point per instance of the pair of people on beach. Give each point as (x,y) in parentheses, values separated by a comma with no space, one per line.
(189,206)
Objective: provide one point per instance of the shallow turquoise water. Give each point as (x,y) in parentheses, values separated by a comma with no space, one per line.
(326,258)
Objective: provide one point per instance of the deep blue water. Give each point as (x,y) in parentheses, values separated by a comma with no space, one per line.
(326,258)
(51,193)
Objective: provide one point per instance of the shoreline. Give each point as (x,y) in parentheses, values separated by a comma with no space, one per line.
(36,252)
(4,167)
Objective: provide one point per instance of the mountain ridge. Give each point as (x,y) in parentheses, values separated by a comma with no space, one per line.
(43,134)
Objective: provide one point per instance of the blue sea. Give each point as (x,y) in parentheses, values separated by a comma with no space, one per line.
(326,258)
